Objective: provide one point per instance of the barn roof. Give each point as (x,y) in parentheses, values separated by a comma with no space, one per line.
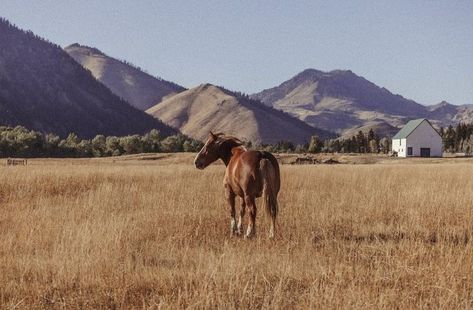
(409,128)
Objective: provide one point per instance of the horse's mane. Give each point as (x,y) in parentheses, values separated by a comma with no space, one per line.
(222,138)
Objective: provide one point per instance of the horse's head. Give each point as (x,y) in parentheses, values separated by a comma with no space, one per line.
(216,147)
(209,152)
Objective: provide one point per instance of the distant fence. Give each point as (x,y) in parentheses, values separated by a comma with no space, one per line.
(16,162)
(305,160)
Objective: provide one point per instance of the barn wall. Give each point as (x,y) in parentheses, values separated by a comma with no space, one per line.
(399,146)
(424,136)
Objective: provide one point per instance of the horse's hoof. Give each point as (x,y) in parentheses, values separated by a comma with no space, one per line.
(249,236)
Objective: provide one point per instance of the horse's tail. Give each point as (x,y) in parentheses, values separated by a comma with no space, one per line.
(270,178)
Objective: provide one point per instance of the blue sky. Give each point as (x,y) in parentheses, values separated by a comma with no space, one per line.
(422,50)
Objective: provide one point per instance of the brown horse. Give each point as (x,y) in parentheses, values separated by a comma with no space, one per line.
(249,174)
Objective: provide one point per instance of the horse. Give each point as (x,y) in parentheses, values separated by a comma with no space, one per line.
(249,174)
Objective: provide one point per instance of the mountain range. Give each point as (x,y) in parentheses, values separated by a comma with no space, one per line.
(343,102)
(81,89)
(43,88)
(338,101)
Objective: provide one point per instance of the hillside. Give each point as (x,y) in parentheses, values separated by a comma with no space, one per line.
(138,88)
(382,129)
(207,107)
(43,88)
(339,101)
(444,114)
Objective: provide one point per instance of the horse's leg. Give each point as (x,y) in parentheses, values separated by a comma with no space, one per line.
(230,196)
(242,214)
(250,203)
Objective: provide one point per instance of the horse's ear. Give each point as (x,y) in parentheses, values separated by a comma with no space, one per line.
(212,135)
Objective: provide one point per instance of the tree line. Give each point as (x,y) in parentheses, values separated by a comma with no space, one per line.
(21,142)
(359,143)
(458,139)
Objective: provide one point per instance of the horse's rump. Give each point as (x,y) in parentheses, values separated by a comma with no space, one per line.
(274,163)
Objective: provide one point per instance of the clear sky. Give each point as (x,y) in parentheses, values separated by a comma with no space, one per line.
(422,50)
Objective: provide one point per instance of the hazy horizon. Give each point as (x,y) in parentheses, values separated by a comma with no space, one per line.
(420,50)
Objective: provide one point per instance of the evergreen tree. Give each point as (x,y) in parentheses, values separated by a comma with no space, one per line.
(361,142)
(371,135)
(449,139)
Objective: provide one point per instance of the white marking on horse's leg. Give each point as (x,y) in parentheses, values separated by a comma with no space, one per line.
(271,229)
(250,204)
(240,225)
(250,232)
(233,226)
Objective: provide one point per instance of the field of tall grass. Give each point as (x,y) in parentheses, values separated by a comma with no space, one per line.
(83,234)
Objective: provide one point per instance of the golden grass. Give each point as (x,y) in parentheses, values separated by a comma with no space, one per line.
(143,236)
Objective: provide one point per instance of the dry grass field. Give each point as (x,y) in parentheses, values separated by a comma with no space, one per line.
(143,234)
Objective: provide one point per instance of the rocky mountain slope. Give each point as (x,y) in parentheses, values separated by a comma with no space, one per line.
(43,88)
(138,88)
(207,107)
(444,114)
(343,102)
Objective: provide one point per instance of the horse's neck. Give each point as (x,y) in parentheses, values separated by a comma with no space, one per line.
(227,155)
(226,160)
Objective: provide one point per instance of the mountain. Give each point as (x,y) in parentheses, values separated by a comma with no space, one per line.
(444,114)
(43,88)
(138,88)
(207,107)
(339,101)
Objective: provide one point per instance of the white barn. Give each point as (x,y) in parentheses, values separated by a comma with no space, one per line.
(417,138)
